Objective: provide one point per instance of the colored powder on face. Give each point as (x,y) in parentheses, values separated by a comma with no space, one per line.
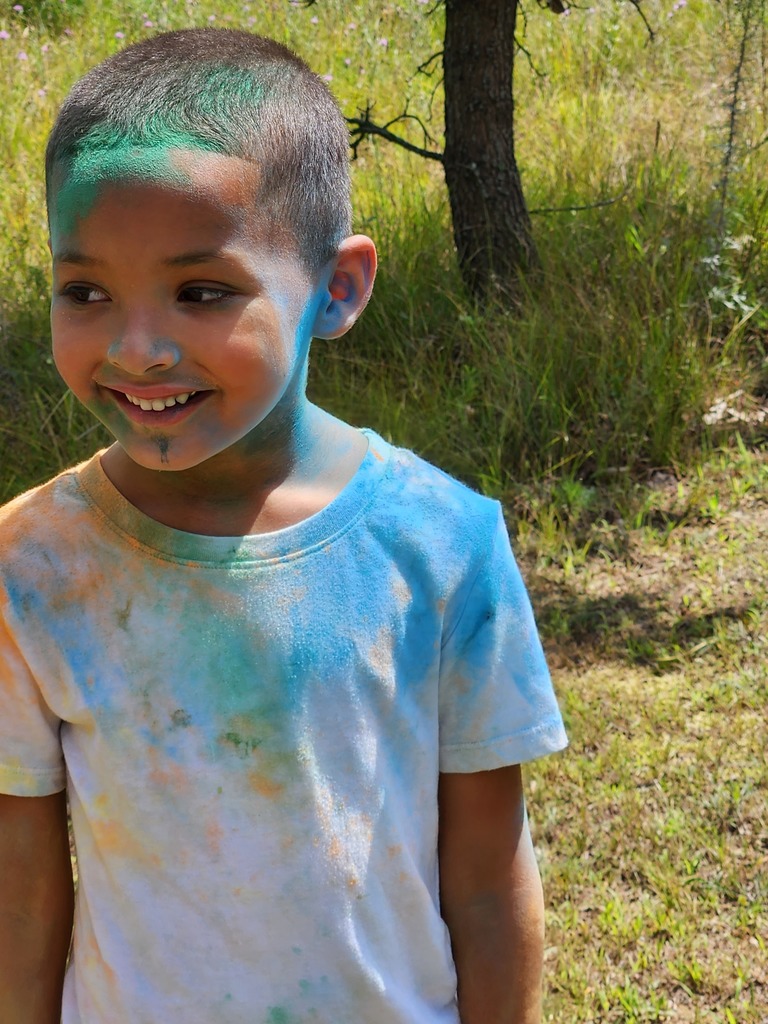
(163,443)
(78,181)
(134,145)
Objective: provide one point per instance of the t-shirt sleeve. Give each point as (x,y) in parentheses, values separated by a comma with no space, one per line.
(31,760)
(497,705)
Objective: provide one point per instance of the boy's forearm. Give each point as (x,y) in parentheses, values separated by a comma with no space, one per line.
(498,948)
(36,907)
(491,898)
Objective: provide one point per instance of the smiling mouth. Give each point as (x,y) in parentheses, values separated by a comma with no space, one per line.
(159,404)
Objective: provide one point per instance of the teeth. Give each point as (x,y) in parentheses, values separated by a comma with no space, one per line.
(158,404)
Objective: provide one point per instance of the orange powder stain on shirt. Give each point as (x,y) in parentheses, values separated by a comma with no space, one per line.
(15,689)
(214,833)
(166,775)
(112,837)
(93,953)
(264,786)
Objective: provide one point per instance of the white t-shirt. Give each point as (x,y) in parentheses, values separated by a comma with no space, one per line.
(250,731)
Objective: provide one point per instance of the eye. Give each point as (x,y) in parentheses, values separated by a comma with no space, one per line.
(203,295)
(83,294)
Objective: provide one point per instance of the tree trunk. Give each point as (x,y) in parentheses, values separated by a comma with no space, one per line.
(491,226)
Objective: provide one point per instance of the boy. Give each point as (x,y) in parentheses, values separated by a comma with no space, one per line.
(284,672)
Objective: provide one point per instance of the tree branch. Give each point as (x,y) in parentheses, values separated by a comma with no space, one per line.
(758,145)
(527,54)
(641,12)
(424,67)
(363,127)
(578,209)
(556,6)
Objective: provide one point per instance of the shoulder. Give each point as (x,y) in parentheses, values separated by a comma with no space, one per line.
(419,490)
(427,517)
(30,522)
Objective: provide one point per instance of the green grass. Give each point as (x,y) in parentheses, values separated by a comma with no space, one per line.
(641,527)
(652,830)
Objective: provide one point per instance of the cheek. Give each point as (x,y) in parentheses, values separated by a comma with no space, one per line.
(263,351)
(68,359)
(74,362)
(62,352)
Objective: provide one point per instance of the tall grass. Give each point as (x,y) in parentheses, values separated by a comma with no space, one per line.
(646,309)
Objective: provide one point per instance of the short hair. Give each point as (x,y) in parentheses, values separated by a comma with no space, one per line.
(229,92)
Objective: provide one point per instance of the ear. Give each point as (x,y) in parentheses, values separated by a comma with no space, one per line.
(349,287)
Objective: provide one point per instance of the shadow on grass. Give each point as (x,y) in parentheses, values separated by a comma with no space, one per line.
(637,629)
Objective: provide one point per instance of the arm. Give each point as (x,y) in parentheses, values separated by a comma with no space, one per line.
(36,905)
(491,897)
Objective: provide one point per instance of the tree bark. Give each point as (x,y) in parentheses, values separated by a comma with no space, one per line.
(491,226)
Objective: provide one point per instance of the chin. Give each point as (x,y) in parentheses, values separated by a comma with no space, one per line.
(160,454)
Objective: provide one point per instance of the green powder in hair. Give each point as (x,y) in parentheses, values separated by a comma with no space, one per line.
(79,180)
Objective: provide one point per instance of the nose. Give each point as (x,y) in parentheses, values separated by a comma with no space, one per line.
(139,349)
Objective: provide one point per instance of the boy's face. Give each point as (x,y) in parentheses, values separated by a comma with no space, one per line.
(172,320)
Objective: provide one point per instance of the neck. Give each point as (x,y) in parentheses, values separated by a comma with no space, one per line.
(292,469)
(278,451)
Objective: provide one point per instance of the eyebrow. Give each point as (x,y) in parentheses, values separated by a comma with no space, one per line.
(184,259)
(188,259)
(79,258)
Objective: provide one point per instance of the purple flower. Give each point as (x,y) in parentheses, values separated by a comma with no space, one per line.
(21,55)
(347,61)
(41,92)
(314,21)
(18,7)
(4,34)
(148,23)
(45,48)
(211,17)
(68,32)
(119,35)
(383,42)
(327,78)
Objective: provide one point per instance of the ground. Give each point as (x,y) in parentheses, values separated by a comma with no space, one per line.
(652,829)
